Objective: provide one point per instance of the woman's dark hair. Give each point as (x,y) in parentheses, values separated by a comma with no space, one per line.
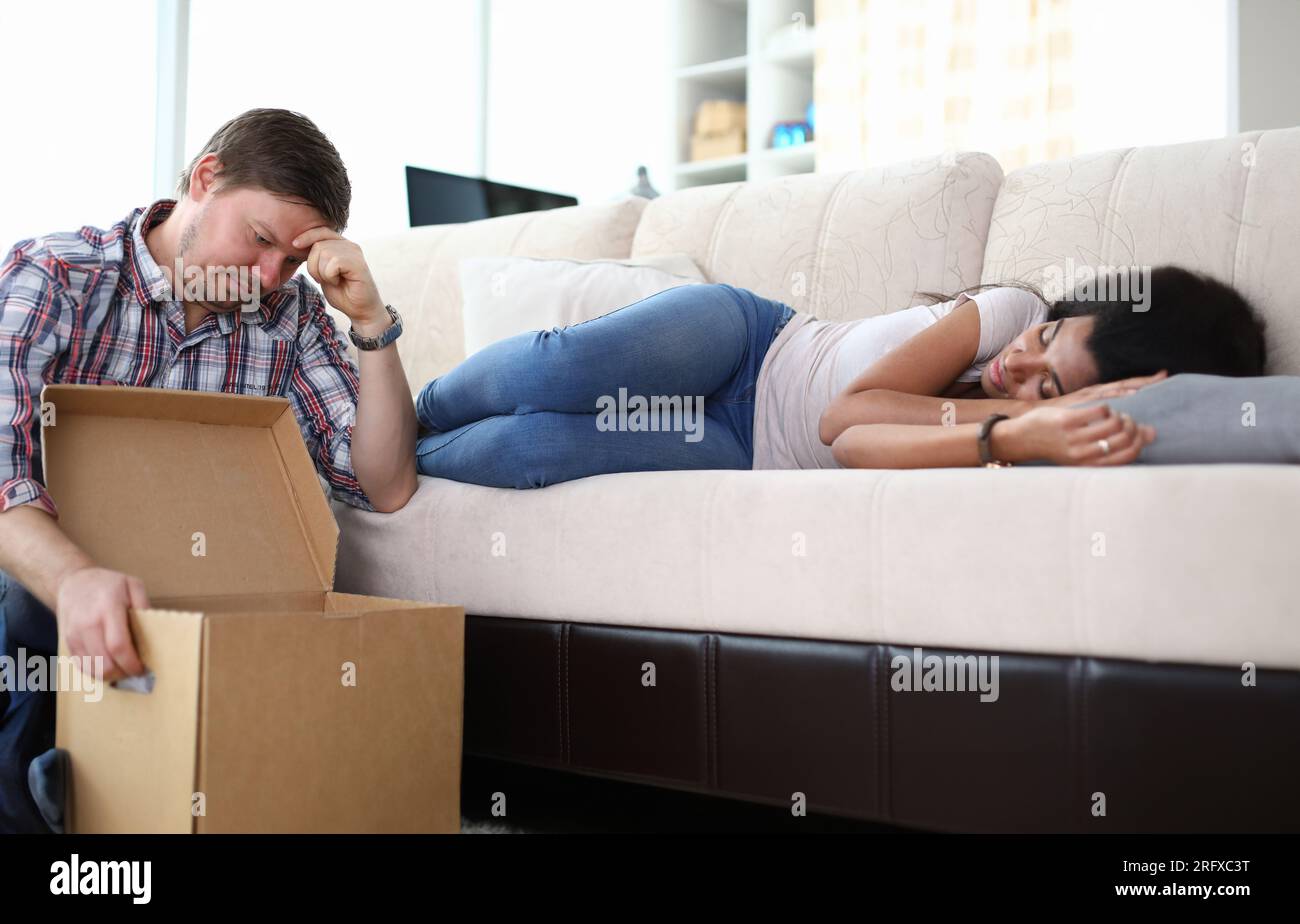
(1184,322)
(1173,319)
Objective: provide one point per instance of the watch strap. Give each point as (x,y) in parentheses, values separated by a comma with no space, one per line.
(390,334)
(986,430)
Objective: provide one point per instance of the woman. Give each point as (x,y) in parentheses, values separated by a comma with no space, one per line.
(715,376)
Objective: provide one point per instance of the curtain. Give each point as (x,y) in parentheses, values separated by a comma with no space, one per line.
(896,80)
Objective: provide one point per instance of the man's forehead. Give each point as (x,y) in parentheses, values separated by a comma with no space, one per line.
(283,225)
(278,213)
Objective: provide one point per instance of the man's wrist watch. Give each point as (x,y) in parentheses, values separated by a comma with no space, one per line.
(986,452)
(388,336)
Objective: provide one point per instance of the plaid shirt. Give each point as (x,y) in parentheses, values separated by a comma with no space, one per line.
(92,306)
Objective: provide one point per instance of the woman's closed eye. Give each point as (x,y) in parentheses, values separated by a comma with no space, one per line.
(1044,340)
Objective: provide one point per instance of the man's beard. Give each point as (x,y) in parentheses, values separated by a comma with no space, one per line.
(191,232)
(188,237)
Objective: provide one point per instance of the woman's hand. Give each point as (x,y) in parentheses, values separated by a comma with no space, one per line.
(1116,389)
(1070,436)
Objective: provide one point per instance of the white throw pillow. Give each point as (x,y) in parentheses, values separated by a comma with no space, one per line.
(504,296)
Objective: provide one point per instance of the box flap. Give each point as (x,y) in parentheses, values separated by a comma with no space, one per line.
(193,492)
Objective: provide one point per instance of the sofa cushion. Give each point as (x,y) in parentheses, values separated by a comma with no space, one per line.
(1185,563)
(837,245)
(1224,207)
(504,296)
(1214,418)
(417,269)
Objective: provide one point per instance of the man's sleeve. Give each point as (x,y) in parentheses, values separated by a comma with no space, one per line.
(323,390)
(35,327)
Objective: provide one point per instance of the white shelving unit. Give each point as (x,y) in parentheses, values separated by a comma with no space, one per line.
(756,51)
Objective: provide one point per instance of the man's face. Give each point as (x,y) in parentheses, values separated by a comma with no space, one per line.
(242,231)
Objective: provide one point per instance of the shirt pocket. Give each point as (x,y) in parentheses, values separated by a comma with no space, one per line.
(264,367)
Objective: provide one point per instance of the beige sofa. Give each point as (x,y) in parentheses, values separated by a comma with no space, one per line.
(1200,569)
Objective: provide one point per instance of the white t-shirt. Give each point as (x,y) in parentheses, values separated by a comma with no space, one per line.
(811,362)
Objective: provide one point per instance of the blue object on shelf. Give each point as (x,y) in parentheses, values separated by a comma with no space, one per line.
(808,117)
(790,134)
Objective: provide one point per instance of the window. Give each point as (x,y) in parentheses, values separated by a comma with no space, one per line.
(79,81)
(1150,73)
(389,83)
(578,96)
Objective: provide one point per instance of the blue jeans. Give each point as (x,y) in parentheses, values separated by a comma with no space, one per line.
(548,406)
(26,716)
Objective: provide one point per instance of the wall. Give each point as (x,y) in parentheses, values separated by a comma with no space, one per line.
(1268,72)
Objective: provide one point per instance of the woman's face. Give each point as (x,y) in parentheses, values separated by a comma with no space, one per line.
(1045,361)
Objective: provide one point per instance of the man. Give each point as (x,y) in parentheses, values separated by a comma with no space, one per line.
(148,302)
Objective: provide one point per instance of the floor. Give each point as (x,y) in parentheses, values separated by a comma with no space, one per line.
(553,802)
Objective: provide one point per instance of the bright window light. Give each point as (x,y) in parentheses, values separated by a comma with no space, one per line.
(578,95)
(79,115)
(389,83)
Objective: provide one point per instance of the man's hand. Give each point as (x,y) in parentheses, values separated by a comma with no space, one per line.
(1116,389)
(339,268)
(91,612)
(383,435)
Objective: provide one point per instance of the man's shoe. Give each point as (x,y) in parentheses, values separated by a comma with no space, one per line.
(47,779)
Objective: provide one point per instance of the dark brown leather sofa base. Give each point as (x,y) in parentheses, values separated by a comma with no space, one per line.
(1170,747)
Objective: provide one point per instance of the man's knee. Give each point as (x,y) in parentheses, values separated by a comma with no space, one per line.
(27,621)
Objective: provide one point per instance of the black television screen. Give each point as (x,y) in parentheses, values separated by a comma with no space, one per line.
(437,198)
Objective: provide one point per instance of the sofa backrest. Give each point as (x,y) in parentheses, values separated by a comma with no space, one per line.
(417,270)
(1228,207)
(865,242)
(843,245)
(836,245)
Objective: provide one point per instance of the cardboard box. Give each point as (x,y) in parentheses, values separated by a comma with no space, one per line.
(728,144)
(277,704)
(719,116)
(719,129)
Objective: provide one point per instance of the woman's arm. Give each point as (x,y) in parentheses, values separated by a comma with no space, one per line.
(927,362)
(1066,436)
(881,405)
(910,446)
(906,384)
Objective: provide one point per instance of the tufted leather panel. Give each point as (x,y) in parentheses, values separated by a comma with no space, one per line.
(1171,747)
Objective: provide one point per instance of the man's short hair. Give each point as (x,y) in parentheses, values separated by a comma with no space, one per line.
(284,153)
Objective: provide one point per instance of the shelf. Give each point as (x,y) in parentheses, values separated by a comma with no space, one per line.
(746,51)
(796,49)
(795,152)
(798,56)
(725,67)
(713,165)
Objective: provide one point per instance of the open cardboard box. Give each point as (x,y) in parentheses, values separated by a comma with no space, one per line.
(277,705)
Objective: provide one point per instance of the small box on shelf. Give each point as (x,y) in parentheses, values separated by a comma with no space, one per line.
(719,129)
